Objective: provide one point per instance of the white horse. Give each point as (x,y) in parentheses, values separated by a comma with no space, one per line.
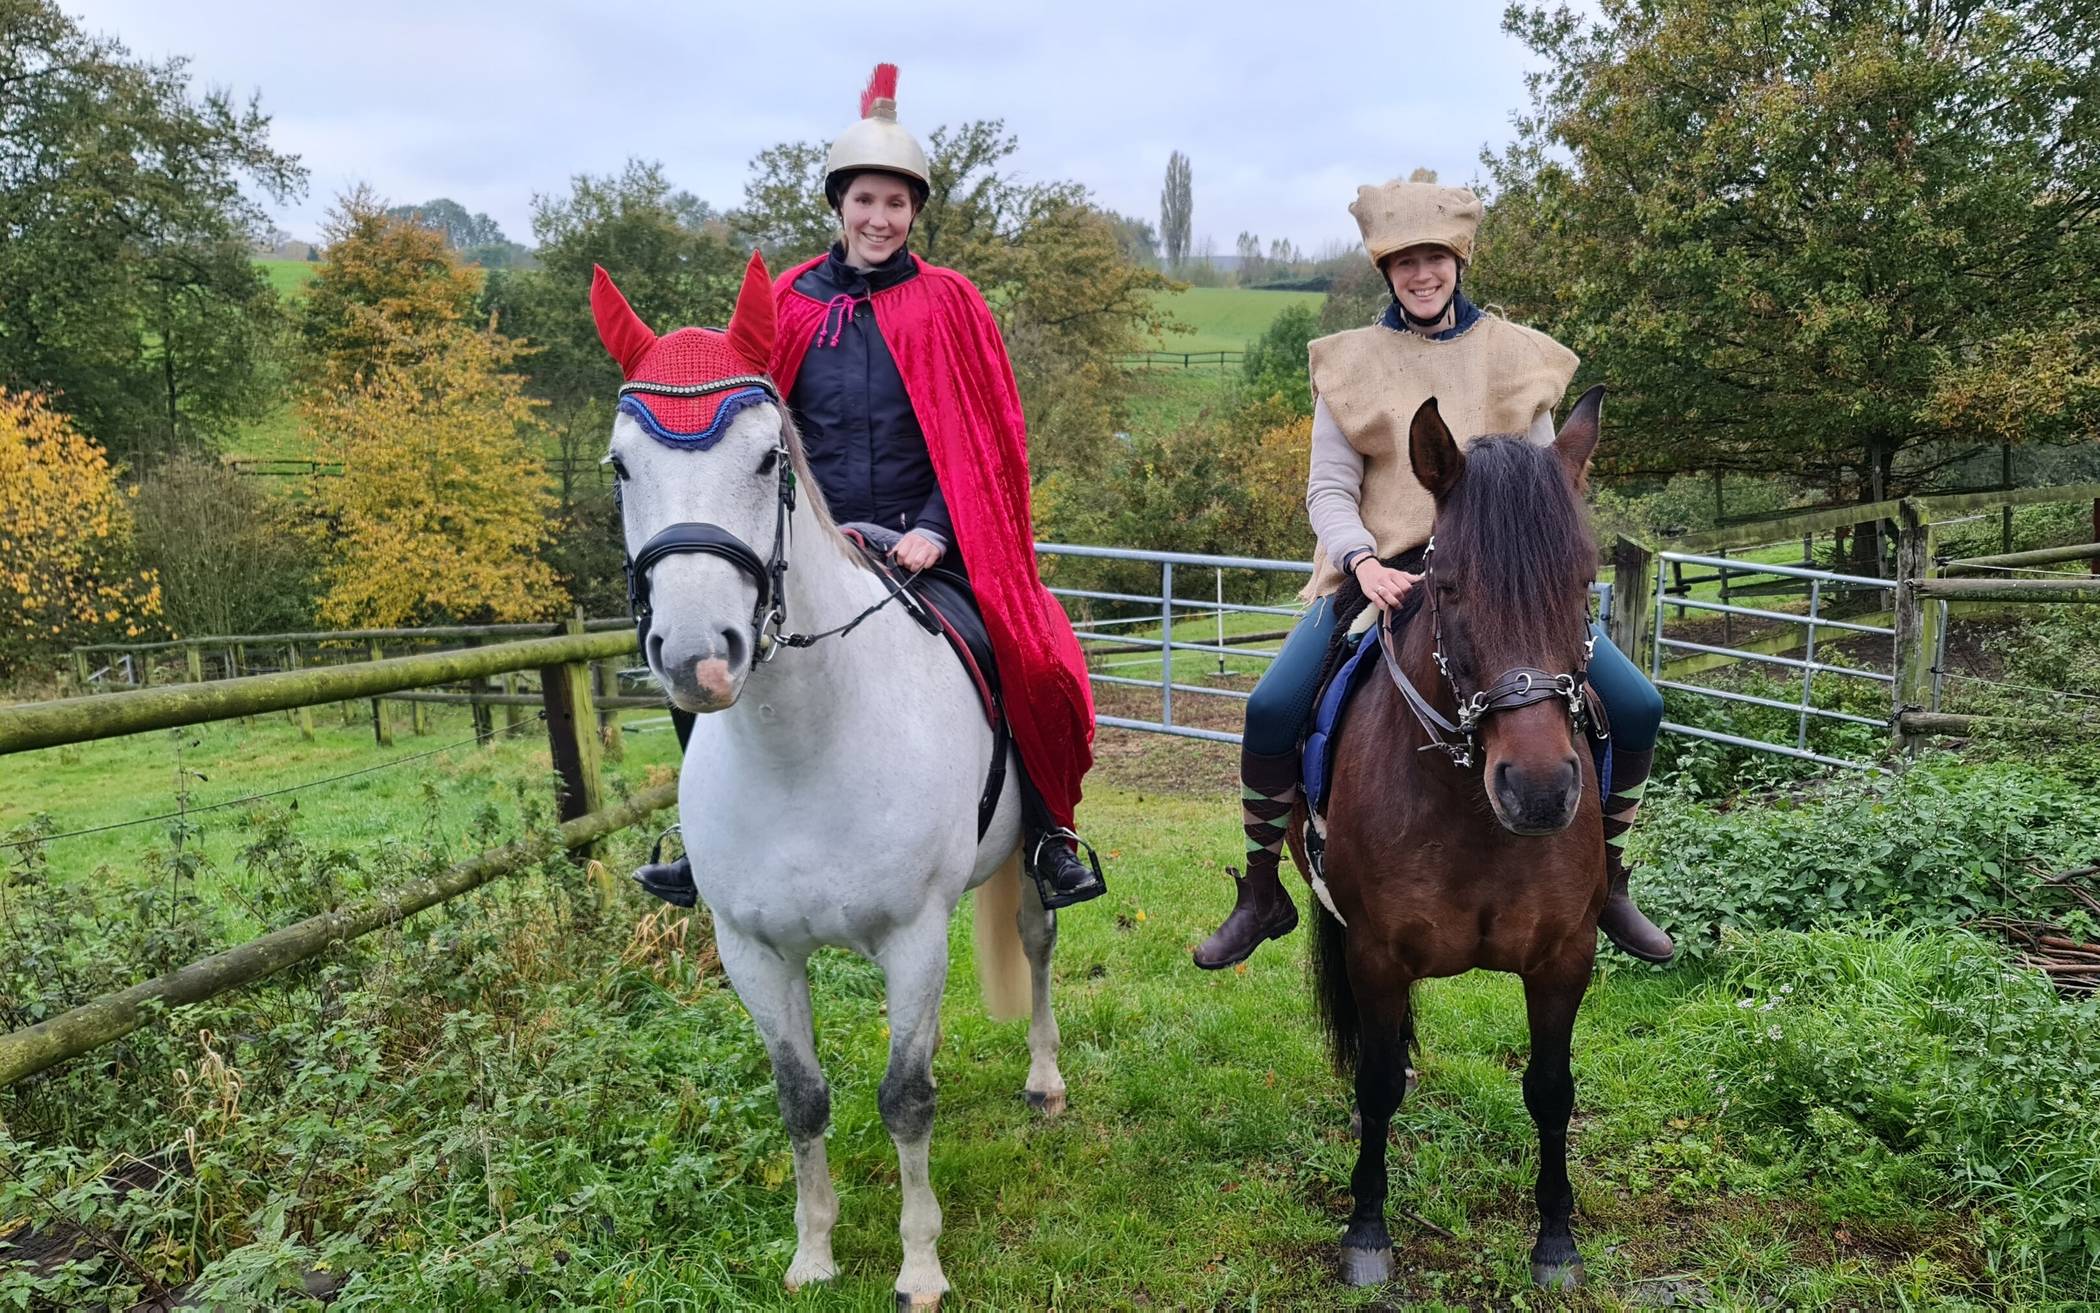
(830,798)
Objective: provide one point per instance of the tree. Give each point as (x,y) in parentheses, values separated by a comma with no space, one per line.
(1252,268)
(444,503)
(1275,364)
(66,562)
(672,258)
(1139,242)
(228,557)
(784,212)
(1838,239)
(478,238)
(1176,205)
(385,291)
(126,285)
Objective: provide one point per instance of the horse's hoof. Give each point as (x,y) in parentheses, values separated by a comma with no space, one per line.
(1366,1267)
(800,1274)
(1049,1103)
(1557,1276)
(906,1301)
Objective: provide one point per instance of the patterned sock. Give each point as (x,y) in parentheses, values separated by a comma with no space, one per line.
(1268,792)
(1629,781)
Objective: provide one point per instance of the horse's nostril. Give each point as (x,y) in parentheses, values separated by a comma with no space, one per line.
(732,647)
(655,652)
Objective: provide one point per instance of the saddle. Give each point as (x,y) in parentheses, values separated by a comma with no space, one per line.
(941,600)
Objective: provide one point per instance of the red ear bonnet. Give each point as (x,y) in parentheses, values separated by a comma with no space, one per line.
(625,336)
(751,325)
(685,387)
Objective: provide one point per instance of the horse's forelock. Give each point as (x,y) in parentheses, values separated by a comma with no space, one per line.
(1513,534)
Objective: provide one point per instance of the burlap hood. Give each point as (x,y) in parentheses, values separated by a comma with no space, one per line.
(1397,215)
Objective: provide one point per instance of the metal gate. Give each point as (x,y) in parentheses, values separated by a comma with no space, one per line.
(1732,573)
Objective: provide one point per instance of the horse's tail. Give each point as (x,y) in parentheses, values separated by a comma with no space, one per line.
(995,924)
(1328,969)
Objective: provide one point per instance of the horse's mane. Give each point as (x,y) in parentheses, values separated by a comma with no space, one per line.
(1513,533)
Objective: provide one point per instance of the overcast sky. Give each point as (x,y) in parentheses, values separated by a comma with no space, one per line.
(1282,109)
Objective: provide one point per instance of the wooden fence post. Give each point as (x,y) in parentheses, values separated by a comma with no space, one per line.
(143,664)
(484,719)
(513,714)
(81,679)
(305,715)
(1632,599)
(381,731)
(1917,621)
(606,679)
(194,659)
(572,734)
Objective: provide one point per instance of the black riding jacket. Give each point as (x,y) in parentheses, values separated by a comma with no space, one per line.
(862,439)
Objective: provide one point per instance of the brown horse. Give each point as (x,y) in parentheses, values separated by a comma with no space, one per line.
(1435,865)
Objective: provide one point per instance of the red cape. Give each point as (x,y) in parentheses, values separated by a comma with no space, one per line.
(953,362)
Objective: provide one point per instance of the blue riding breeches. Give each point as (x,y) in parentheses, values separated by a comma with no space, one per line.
(1281,702)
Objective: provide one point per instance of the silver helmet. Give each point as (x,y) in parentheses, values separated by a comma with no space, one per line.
(877,142)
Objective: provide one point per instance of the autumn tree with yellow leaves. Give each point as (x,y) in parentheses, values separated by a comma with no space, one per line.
(65,538)
(444,504)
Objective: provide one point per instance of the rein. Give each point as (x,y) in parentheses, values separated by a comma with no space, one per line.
(699,538)
(1520,686)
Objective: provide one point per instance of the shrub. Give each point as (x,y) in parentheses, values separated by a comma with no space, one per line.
(1925,1050)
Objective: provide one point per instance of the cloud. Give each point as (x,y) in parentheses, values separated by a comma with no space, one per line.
(1282,110)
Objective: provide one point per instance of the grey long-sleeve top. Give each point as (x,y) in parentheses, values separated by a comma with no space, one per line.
(1334,487)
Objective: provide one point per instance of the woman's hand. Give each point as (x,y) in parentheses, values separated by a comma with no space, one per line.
(915,551)
(1387,588)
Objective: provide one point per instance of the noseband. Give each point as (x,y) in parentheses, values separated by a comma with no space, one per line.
(1520,686)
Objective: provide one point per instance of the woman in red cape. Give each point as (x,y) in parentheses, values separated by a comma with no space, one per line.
(901,387)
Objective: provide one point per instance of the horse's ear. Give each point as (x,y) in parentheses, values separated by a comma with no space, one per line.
(1578,435)
(751,324)
(622,331)
(1434,453)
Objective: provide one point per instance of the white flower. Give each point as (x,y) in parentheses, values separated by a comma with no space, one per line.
(1746,1003)
(1786,989)
(1773,1032)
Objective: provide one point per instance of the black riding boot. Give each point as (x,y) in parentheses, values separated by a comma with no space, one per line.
(1261,908)
(1047,851)
(671,881)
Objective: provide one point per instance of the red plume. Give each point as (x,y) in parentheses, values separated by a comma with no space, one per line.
(751,323)
(622,331)
(882,85)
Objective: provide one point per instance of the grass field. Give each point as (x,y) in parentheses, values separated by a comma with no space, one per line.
(1227,318)
(288,276)
(517,1101)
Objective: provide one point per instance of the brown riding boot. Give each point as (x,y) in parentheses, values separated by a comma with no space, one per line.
(1622,922)
(1261,909)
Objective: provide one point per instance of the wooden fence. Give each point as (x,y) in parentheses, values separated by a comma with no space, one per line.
(565,664)
(1180,359)
(212,657)
(1924,582)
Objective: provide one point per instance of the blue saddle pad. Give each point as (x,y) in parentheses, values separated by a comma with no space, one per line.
(1316,760)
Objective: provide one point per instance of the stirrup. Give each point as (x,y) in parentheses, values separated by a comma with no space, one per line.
(1053,900)
(656,850)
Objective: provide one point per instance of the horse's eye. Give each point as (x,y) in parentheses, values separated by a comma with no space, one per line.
(619,467)
(765,462)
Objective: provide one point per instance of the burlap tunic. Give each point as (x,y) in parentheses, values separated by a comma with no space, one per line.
(1495,378)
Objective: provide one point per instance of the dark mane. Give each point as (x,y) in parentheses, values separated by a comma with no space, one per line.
(1513,534)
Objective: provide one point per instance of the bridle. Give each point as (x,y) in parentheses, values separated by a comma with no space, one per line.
(1520,686)
(699,538)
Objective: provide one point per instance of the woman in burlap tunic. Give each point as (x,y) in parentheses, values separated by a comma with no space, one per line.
(1489,376)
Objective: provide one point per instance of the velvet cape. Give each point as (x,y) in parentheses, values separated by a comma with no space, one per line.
(955,370)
